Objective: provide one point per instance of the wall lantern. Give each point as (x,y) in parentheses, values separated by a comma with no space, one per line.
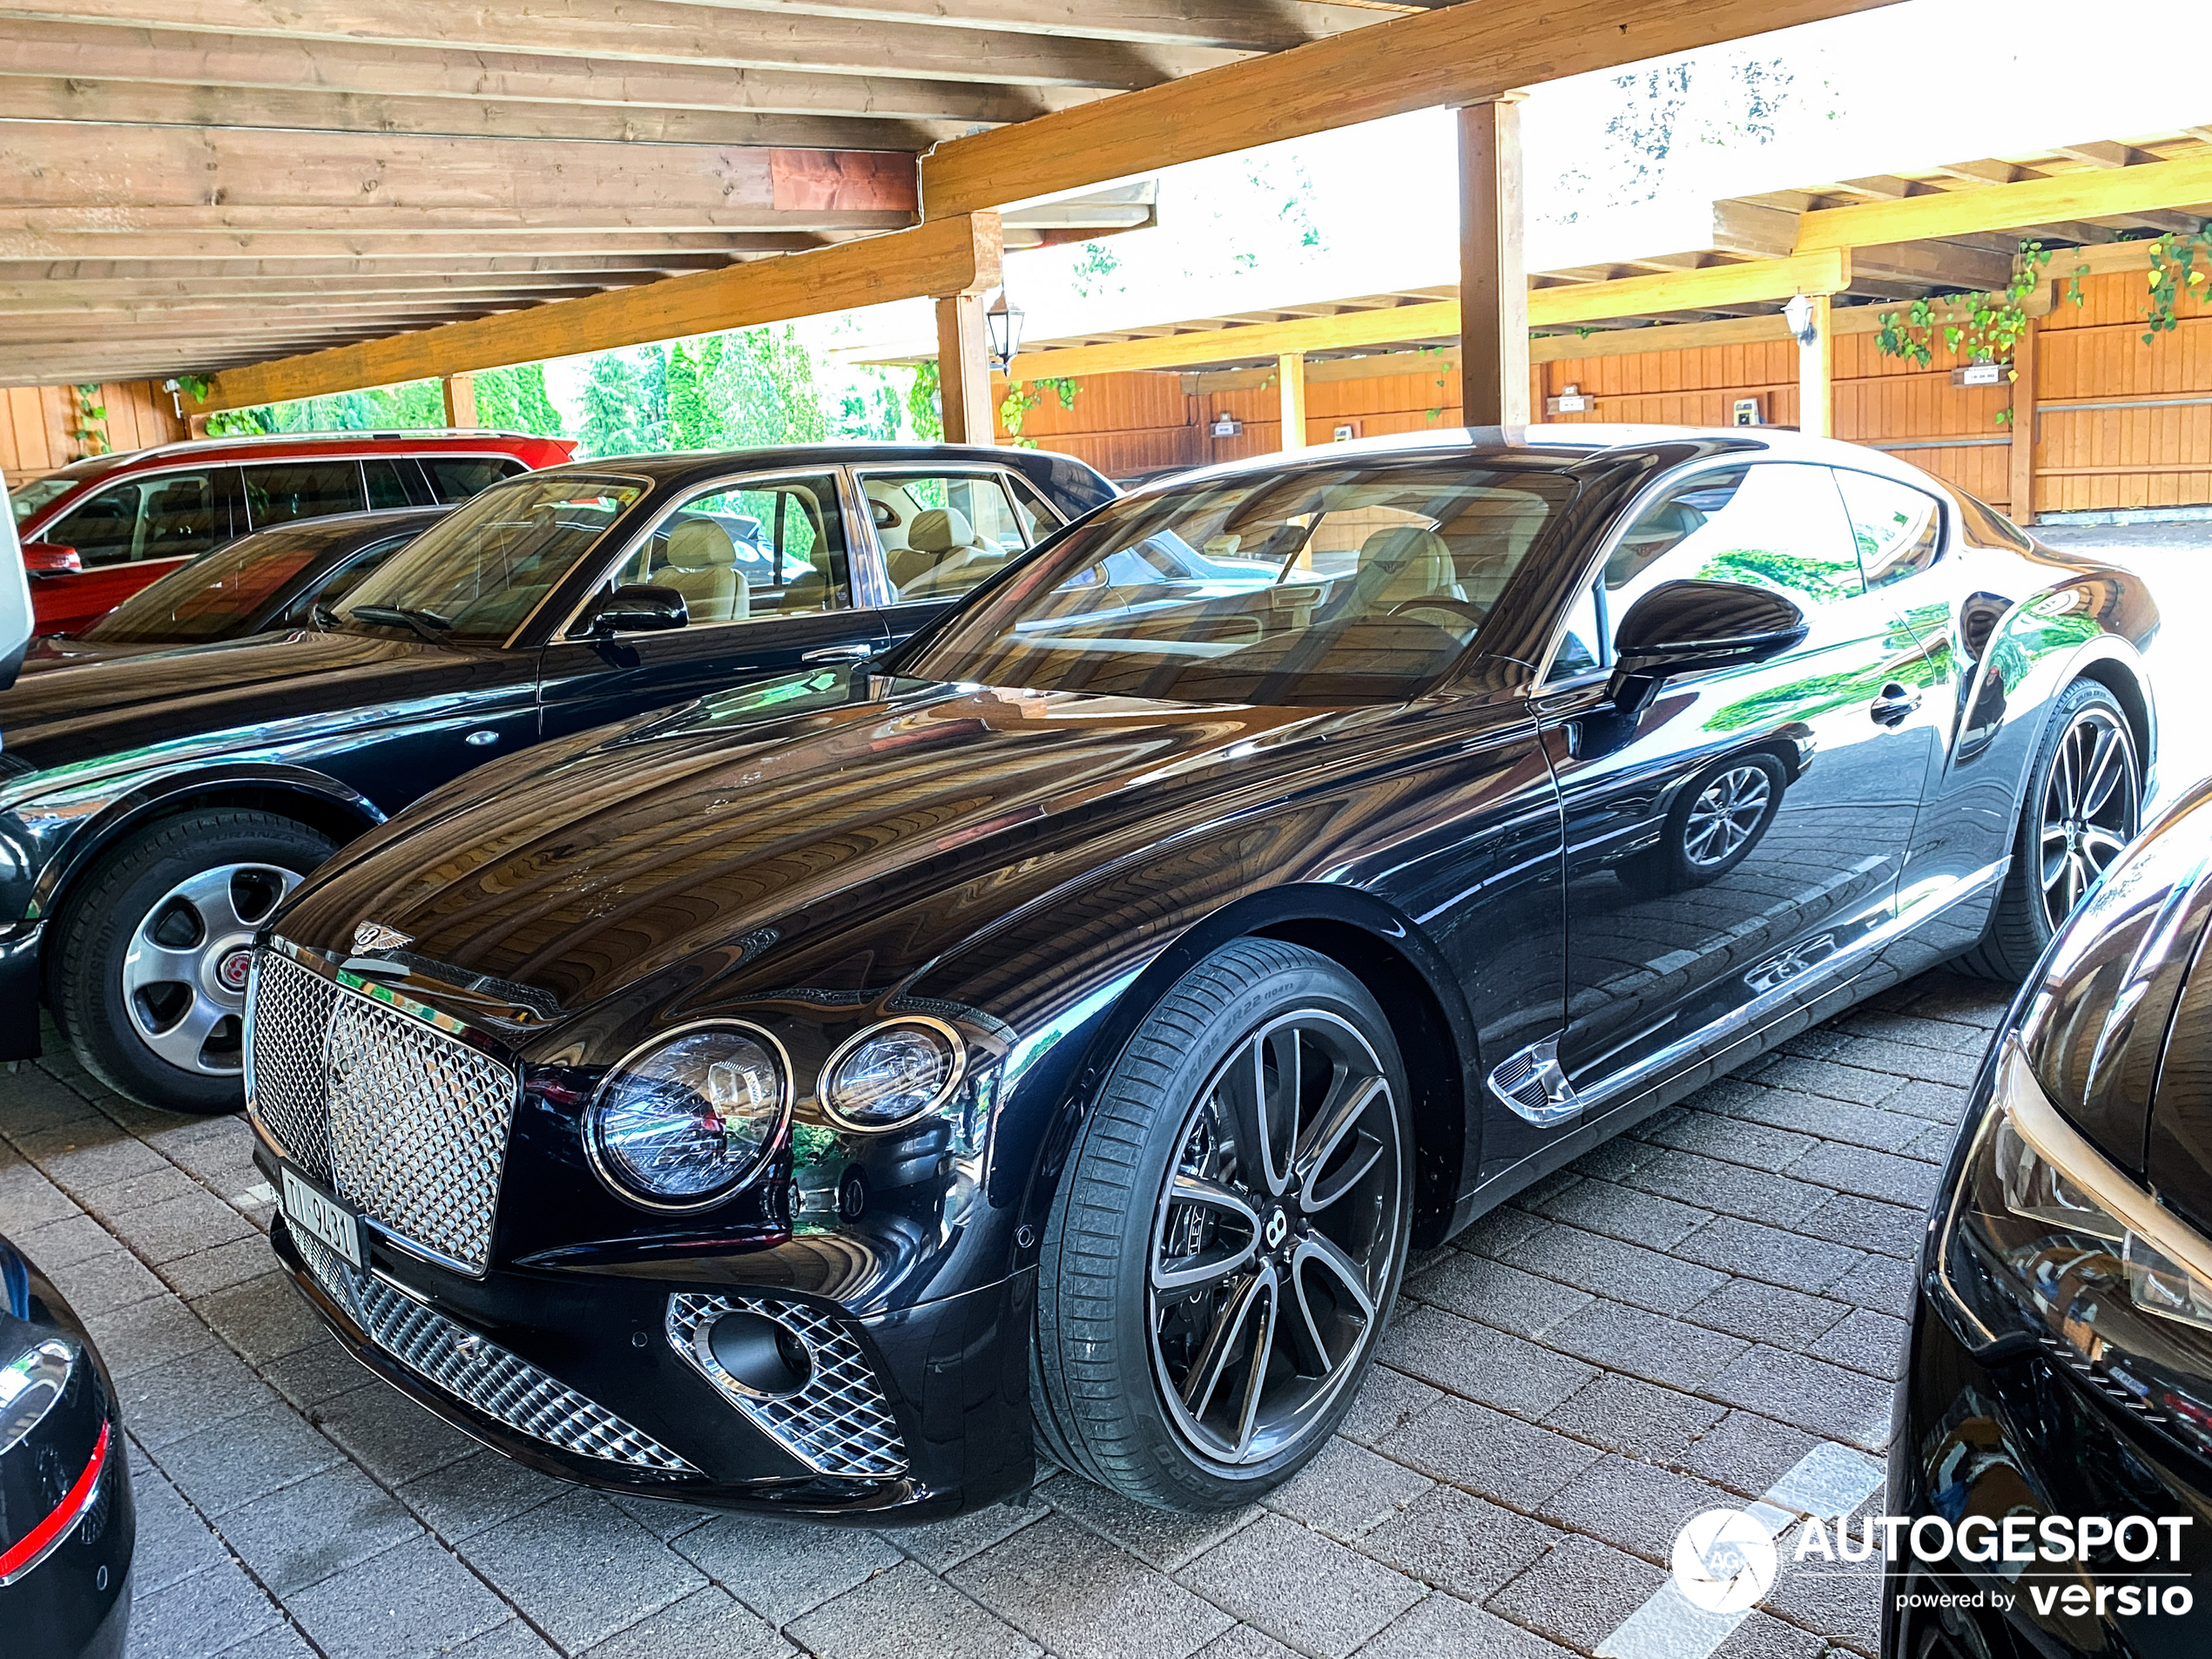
(1798,315)
(1002,325)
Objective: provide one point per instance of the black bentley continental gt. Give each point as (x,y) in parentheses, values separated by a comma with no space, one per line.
(1073,1018)
(155,807)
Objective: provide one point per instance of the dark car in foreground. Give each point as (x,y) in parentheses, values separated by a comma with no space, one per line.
(258,584)
(1072,1020)
(154,809)
(2060,1365)
(67,1527)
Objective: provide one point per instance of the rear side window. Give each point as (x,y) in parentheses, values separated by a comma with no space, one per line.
(284,493)
(1898,528)
(457,477)
(396,482)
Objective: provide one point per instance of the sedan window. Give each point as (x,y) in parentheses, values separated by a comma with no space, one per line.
(1899,529)
(943,533)
(775,548)
(1328,585)
(472,578)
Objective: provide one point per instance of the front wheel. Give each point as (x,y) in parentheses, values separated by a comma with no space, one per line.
(1227,1242)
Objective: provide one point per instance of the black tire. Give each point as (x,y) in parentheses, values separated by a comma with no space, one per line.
(133,886)
(1685,857)
(1100,1382)
(2022,923)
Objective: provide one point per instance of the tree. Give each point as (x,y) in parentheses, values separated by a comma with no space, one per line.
(618,407)
(514,400)
(763,387)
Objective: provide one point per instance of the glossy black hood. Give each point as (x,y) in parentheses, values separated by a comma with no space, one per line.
(842,838)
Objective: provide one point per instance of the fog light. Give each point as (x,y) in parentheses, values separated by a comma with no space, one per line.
(762,1356)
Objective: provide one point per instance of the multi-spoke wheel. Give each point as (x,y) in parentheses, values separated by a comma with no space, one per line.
(1229,1235)
(1726,814)
(1715,821)
(154,945)
(2081,807)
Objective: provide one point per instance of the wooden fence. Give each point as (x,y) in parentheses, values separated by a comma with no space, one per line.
(37,422)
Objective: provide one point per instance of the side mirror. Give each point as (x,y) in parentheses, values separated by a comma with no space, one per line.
(50,558)
(640,608)
(1690,627)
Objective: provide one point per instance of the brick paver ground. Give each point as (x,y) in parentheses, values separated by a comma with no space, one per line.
(1668,1326)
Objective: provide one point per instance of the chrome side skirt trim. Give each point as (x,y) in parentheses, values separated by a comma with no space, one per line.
(1532,1084)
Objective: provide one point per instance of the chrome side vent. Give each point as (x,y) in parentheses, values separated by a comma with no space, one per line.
(810,1389)
(1532,1084)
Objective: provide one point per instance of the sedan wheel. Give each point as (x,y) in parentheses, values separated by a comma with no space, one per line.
(184,973)
(2090,804)
(1725,815)
(1226,1244)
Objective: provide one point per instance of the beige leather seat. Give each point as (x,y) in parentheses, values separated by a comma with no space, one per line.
(1417,562)
(703,567)
(942,556)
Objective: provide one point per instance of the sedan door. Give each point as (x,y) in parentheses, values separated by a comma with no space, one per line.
(762,564)
(1748,824)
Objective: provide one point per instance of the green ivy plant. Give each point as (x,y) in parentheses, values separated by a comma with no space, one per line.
(1987,326)
(1022,397)
(2174,273)
(90,430)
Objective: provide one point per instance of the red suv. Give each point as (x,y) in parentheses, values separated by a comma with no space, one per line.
(97,531)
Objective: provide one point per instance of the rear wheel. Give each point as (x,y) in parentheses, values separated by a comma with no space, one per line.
(150,985)
(1228,1240)
(2084,805)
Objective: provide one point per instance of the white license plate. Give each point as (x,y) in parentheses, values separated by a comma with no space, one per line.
(312,1210)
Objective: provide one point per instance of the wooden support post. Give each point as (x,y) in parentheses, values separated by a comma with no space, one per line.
(1290,389)
(1494,280)
(2023,468)
(964,370)
(460,399)
(1815,378)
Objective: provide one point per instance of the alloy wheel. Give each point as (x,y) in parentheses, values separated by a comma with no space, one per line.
(1273,1239)
(1726,814)
(184,973)
(2090,806)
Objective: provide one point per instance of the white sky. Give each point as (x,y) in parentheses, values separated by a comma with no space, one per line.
(1372,208)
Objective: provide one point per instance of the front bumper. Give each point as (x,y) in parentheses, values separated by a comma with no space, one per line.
(954,1374)
(19,989)
(2025,1437)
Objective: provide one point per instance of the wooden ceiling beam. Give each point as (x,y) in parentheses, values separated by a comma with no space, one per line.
(669,32)
(949,257)
(441,249)
(2030,202)
(87,298)
(1229,24)
(243,276)
(2103,152)
(1456,54)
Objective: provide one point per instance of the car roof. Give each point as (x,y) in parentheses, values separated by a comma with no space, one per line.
(287,445)
(690,466)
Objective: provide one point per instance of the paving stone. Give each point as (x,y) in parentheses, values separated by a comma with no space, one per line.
(907,1611)
(783,1568)
(1244,1642)
(263,1319)
(1650,1345)
(1623,1212)
(943,1545)
(1767,1253)
(1497,1232)
(216,1269)
(1747,1452)
(104,1282)
(1865,1223)
(1446,1628)
(1623,1271)
(1482,1364)
(326,1524)
(1578,1592)
(179,1226)
(206,1613)
(319,1372)
(413,1599)
(1625,1415)
(225,1467)
(1788,1318)
(480,1491)
(1633,1506)
(1484,1289)
(1735,1140)
(1347,1489)
(389,1434)
(277,1642)
(1937,1102)
(513,1640)
(1388,1401)
(1486,1452)
(579,1569)
(1052,1582)
(1942,1035)
(173,1543)
(658,1516)
(1873,1343)
(1301,1588)
(1836,1598)
(134,1338)
(1831,1120)
(1459,1542)
(185,1396)
(1728,1188)
(1826,1078)
(208,1147)
(74,1238)
(28,1199)
(1615,1160)
(1886,1284)
(1872,1174)
(1161,1538)
(707,1621)
(85,1158)
(1955,1066)
(1814,1395)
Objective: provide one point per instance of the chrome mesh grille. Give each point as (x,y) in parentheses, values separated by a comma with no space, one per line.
(479,1372)
(409,1123)
(288,1007)
(837,1422)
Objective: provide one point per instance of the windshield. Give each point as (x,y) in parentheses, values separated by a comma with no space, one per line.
(1350,585)
(473,577)
(26,499)
(202,600)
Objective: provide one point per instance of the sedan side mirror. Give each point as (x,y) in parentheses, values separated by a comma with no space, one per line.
(49,558)
(1690,627)
(640,608)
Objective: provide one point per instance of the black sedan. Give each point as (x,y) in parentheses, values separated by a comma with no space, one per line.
(154,809)
(258,584)
(2059,1378)
(1076,1017)
(67,1527)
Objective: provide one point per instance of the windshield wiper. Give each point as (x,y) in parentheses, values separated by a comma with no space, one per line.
(428,624)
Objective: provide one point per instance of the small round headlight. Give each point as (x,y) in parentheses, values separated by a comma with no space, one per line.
(688,1118)
(892,1074)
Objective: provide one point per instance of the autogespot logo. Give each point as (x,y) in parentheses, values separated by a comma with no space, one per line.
(1724,1560)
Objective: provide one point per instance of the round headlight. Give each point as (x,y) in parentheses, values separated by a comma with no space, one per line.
(892,1074)
(689,1118)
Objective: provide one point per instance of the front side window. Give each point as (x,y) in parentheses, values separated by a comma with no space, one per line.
(1331,586)
(943,533)
(1898,528)
(283,495)
(775,548)
(168,516)
(474,576)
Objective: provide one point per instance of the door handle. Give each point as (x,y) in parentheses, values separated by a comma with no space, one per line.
(837,654)
(1893,705)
